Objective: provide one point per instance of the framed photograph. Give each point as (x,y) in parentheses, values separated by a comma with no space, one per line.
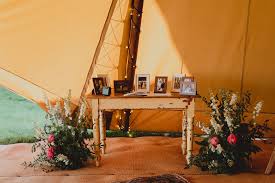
(188,86)
(105,79)
(160,84)
(98,85)
(121,86)
(143,83)
(106,91)
(176,82)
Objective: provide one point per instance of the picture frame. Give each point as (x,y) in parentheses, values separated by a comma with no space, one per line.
(106,91)
(160,84)
(98,85)
(105,78)
(188,86)
(122,86)
(176,82)
(143,83)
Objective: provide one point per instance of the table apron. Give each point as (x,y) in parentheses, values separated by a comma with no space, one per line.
(143,103)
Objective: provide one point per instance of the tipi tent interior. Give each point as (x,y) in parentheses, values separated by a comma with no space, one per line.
(47,48)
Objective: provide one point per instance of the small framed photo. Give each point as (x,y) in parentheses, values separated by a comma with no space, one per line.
(143,83)
(106,91)
(121,86)
(98,85)
(176,82)
(160,84)
(188,86)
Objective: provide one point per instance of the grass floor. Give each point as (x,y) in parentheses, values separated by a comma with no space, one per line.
(18,117)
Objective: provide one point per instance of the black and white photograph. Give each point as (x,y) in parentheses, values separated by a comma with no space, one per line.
(98,85)
(143,83)
(160,84)
(188,86)
(176,82)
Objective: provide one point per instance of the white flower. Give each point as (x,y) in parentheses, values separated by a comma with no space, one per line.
(82,111)
(213,163)
(219,148)
(217,127)
(67,105)
(206,130)
(257,109)
(229,120)
(57,107)
(233,100)
(212,148)
(63,158)
(230,163)
(48,105)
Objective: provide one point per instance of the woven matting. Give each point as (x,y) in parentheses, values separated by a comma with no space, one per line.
(166,178)
(125,159)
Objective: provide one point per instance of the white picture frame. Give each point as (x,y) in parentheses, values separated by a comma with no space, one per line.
(143,83)
(176,82)
(188,86)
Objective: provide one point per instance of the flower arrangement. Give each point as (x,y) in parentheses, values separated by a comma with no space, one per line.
(228,142)
(63,142)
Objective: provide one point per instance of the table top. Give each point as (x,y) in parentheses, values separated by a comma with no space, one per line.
(149,95)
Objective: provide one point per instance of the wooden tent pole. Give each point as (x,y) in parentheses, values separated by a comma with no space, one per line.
(98,48)
(133,40)
(122,65)
(136,15)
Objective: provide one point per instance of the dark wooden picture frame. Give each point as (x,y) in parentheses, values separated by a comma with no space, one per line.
(160,84)
(99,83)
(121,86)
(188,86)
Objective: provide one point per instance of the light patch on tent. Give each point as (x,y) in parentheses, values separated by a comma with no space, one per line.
(164,59)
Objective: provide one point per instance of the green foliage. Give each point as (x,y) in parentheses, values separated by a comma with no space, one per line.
(219,154)
(63,142)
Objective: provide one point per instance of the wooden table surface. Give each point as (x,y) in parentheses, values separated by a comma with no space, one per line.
(150,95)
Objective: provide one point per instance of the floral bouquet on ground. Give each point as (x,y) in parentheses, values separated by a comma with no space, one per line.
(63,142)
(228,142)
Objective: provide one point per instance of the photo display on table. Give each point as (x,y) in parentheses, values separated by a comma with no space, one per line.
(188,86)
(98,85)
(160,84)
(143,83)
(176,82)
(122,86)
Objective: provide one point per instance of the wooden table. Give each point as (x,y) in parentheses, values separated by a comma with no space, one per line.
(186,104)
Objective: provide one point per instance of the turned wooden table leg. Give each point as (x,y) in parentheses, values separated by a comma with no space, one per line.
(190,123)
(184,123)
(96,133)
(102,128)
(271,162)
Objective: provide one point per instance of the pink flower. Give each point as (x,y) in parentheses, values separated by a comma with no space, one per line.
(50,153)
(232,139)
(214,141)
(51,138)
